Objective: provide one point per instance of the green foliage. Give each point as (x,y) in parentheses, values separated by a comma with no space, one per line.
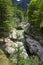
(32,60)
(6,12)
(18,15)
(35,12)
(20,60)
(29,61)
(11,16)
(41,25)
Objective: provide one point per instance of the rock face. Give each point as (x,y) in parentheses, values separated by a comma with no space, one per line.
(34,47)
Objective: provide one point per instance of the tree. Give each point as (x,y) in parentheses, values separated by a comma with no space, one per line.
(19,15)
(6,12)
(35,12)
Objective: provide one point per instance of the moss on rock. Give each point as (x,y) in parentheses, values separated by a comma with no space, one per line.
(3,59)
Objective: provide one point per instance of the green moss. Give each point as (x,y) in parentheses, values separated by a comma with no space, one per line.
(3,59)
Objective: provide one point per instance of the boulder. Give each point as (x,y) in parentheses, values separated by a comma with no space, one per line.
(10,50)
(34,47)
(13,34)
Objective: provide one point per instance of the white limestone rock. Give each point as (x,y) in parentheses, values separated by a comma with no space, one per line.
(13,34)
(10,50)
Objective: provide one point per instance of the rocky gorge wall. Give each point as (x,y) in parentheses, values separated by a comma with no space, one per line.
(34,47)
(29,44)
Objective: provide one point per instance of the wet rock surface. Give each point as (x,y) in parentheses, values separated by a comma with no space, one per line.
(34,47)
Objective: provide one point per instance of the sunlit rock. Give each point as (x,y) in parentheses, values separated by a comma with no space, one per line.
(24,55)
(10,50)
(13,34)
(19,43)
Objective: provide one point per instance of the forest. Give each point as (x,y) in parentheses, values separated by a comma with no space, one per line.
(21,32)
